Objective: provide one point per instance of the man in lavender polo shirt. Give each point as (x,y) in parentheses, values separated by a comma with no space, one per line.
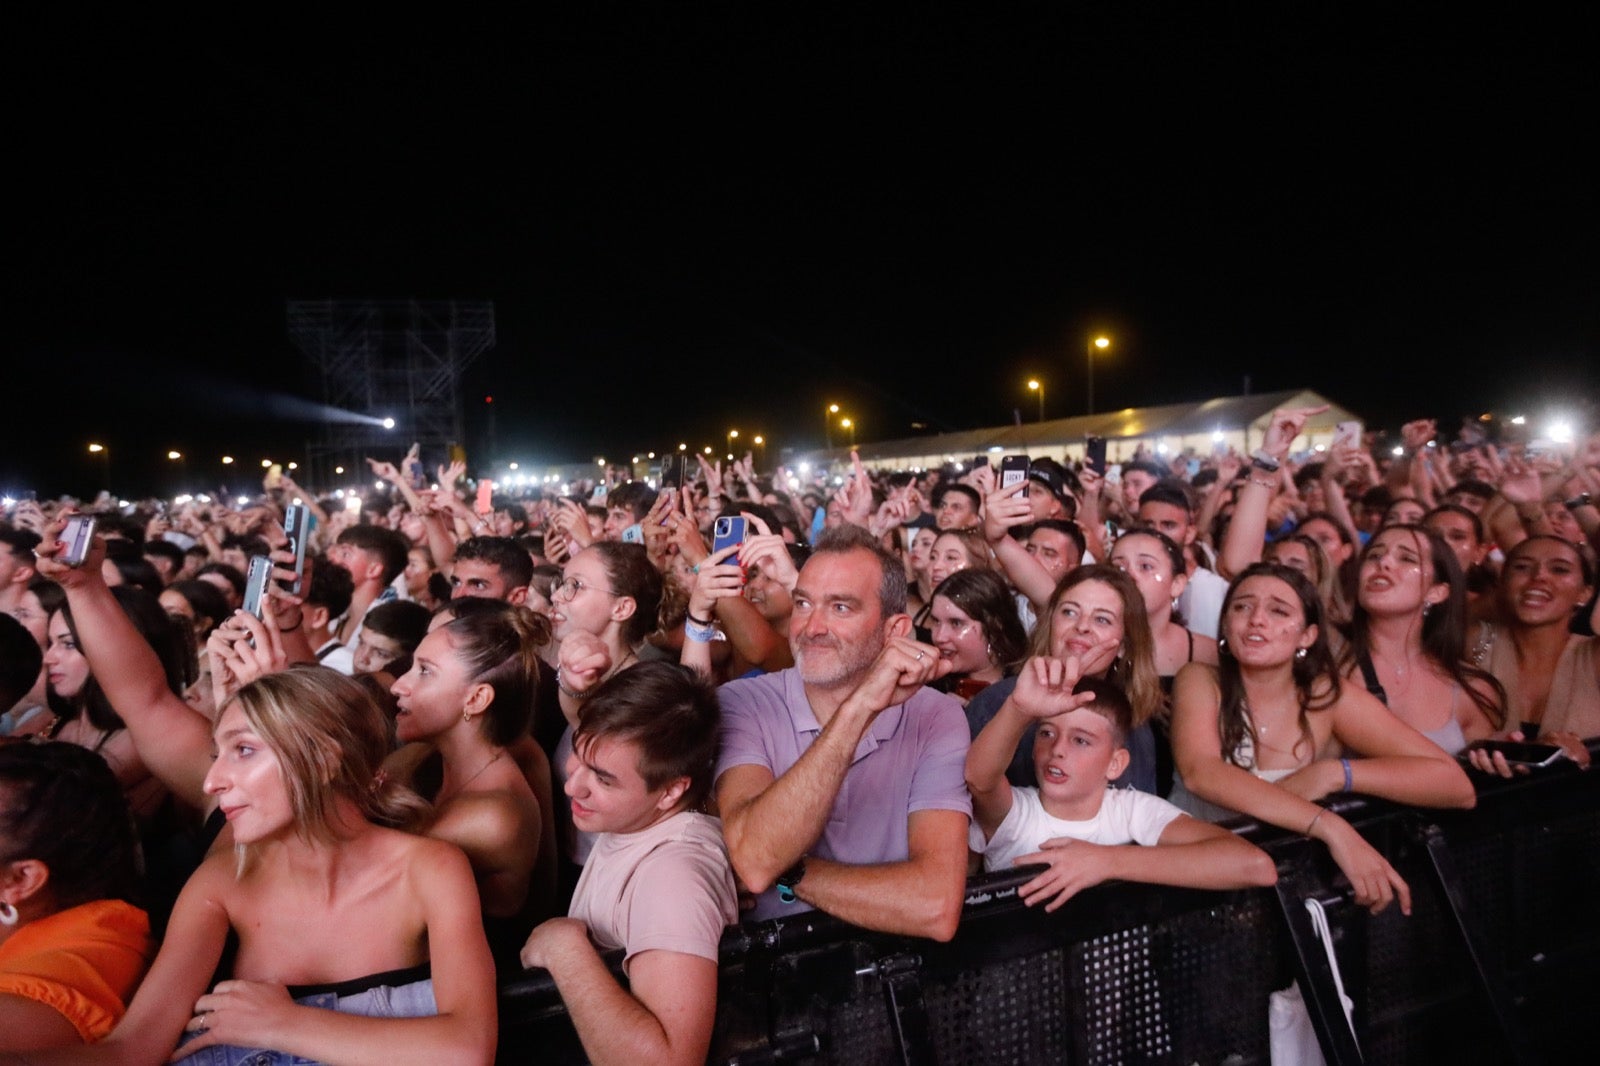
(840,780)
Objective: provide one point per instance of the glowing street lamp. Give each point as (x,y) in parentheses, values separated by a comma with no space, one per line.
(851,426)
(105,456)
(1102,343)
(827,422)
(227,460)
(1035,385)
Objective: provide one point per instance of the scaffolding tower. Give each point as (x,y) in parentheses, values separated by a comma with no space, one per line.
(400,359)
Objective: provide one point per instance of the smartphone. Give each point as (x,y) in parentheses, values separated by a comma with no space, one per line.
(411,467)
(1538,448)
(1347,435)
(298,521)
(1519,754)
(255,586)
(729,529)
(672,468)
(1094,454)
(1013,470)
(485,503)
(977,461)
(77,536)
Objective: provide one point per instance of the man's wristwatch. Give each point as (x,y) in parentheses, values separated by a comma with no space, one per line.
(1261,460)
(789,878)
(1580,500)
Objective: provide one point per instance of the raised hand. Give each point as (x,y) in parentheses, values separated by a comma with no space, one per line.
(768,551)
(903,667)
(584,660)
(1005,509)
(1045,684)
(1287,424)
(715,578)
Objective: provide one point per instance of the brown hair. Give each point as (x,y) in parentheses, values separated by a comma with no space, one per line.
(670,712)
(330,740)
(1134,669)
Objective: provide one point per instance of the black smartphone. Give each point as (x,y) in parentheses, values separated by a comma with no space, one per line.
(672,468)
(1519,754)
(77,536)
(978,461)
(298,522)
(729,529)
(1094,454)
(1013,470)
(255,585)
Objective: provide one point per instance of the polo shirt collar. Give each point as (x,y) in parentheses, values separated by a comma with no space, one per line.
(804,720)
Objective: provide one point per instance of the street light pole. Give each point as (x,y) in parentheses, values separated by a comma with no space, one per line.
(1102,343)
(1036,385)
(827,422)
(851,426)
(105,456)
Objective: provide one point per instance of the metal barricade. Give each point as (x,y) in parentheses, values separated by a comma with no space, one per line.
(1497,962)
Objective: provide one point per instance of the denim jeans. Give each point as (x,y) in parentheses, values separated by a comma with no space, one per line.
(414,1000)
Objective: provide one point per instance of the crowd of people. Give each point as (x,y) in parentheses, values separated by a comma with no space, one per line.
(523,736)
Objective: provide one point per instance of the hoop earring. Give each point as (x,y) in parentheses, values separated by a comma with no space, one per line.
(8,914)
(466,716)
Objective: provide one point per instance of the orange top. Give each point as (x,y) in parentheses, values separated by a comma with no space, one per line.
(84,962)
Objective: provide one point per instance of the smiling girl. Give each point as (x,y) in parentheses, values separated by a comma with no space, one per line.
(1096,615)
(976,629)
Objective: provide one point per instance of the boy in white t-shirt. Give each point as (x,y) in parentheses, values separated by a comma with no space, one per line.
(1082,830)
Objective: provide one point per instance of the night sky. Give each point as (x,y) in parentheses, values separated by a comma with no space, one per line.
(697,217)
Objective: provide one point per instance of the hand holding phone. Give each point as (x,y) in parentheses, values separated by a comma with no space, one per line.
(727,532)
(1517,753)
(77,536)
(1094,454)
(1013,470)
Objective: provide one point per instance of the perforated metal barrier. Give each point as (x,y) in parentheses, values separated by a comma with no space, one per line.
(1499,961)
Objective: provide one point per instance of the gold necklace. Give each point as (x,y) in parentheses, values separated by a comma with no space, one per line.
(494,759)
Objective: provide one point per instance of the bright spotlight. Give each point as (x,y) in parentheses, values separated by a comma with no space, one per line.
(1560,432)
(388,423)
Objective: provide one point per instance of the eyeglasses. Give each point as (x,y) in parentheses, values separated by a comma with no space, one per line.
(569,588)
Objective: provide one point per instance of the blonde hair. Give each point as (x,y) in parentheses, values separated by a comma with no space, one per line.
(330,740)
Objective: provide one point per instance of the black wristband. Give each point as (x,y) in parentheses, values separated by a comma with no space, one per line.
(1580,500)
(706,622)
(789,878)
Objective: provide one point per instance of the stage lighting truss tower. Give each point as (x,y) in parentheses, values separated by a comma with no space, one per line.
(390,358)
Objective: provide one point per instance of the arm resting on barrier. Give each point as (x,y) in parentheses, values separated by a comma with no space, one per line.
(921,896)
(666,1019)
(1197,753)
(1190,854)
